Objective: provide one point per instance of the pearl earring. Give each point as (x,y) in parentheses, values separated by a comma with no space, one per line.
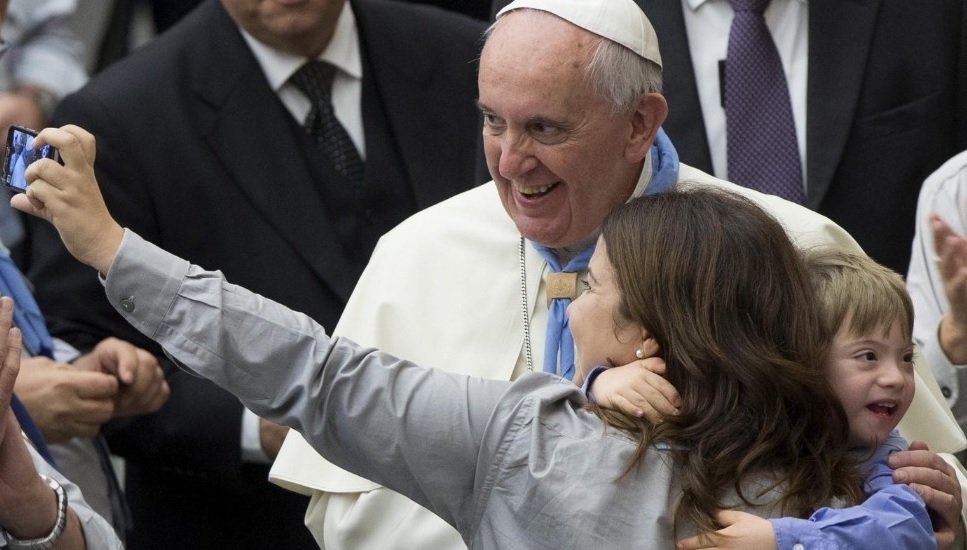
(639,354)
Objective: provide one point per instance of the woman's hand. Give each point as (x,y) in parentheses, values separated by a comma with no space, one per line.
(68,197)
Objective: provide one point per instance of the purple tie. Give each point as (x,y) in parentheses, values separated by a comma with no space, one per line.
(761,134)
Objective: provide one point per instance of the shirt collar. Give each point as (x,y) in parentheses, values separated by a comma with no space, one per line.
(695,4)
(342,52)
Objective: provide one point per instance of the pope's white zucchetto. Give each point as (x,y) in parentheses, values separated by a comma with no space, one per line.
(620,21)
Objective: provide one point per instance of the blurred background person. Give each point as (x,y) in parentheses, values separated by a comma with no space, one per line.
(44,62)
(937,279)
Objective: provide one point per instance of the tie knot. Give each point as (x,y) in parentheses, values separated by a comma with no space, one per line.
(754,6)
(314,79)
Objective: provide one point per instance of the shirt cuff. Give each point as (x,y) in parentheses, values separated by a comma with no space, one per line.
(589,379)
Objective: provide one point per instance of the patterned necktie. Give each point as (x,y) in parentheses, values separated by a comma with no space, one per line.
(762,149)
(314,79)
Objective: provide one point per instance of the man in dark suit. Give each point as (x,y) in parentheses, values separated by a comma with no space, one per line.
(201,149)
(885,105)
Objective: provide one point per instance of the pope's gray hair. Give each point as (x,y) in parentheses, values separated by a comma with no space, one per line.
(621,76)
(614,72)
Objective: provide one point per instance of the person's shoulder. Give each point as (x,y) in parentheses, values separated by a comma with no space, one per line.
(476,210)
(954,169)
(804,226)
(430,23)
(415,11)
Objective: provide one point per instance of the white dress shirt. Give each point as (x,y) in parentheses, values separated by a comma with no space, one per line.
(707,23)
(347,91)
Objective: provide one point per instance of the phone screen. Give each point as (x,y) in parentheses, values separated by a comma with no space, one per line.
(20,154)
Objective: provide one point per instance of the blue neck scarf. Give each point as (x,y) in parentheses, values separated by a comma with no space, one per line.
(559,344)
(36,340)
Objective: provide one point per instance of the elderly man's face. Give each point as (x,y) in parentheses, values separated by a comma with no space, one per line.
(300,27)
(561,161)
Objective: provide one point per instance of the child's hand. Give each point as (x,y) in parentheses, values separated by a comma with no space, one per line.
(637,389)
(68,197)
(741,530)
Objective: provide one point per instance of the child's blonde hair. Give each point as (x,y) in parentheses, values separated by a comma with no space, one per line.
(853,288)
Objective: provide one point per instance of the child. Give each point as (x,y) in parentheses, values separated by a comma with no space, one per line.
(867,322)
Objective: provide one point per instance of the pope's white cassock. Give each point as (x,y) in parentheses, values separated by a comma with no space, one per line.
(444,290)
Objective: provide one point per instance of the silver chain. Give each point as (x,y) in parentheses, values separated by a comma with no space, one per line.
(524,309)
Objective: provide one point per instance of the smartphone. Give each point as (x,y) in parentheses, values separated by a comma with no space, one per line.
(19,154)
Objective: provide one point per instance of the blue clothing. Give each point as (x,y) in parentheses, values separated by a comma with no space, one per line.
(509,465)
(559,345)
(892,516)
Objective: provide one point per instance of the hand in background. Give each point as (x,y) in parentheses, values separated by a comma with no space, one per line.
(936,482)
(142,386)
(19,109)
(28,507)
(951,251)
(66,401)
(272,435)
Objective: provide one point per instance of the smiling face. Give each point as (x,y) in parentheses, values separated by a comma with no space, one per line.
(872,375)
(300,27)
(600,338)
(561,160)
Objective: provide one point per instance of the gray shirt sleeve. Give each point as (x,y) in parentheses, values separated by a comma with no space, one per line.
(415,430)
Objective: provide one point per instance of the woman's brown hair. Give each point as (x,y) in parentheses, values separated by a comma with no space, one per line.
(724,292)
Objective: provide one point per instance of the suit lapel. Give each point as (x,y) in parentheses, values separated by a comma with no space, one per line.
(685,125)
(250,133)
(840,32)
(403,81)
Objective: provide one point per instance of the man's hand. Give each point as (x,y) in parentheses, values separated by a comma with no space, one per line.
(26,503)
(143,388)
(936,482)
(272,436)
(65,401)
(68,197)
(739,530)
(951,251)
(28,508)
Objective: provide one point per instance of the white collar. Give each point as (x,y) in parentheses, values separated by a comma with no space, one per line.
(695,4)
(342,51)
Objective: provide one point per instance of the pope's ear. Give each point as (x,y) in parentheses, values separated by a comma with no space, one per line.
(646,120)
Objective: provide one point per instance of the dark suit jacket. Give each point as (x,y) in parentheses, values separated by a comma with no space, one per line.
(198,155)
(886,105)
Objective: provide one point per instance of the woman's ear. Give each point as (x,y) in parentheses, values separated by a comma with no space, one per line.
(648,347)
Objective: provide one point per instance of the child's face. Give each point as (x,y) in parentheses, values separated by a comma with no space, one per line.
(591,316)
(872,374)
